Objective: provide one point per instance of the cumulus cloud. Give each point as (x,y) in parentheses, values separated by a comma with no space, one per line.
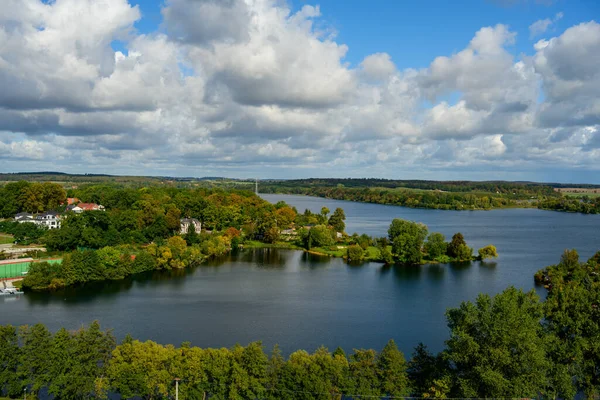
(378,66)
(240,87)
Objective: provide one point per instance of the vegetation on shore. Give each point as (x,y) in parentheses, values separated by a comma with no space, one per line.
(453,195)
(509,345)
(140,231)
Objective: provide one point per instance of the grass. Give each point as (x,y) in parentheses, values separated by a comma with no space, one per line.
(6,239)
(255,244)
(579,195)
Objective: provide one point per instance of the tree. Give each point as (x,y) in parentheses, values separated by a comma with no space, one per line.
(319,236)
(364,373)
(427,373)
(497,346)
(488,251)
(355,253)
(454,246)
(271,235)
(435,246)
(9,361)
(337,220)
(34,363)
(407,239)
(324,214)
(391,370)
(191,237)
(572,316)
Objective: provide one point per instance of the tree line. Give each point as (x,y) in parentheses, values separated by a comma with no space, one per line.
(408,198)
(115,263)
(583,204)
(22,196)
(509,345)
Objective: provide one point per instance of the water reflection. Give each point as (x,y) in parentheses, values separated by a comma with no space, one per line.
(407,272)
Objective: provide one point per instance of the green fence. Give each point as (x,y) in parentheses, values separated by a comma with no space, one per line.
(15,270)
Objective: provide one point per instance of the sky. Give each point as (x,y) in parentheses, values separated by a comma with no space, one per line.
(474,90)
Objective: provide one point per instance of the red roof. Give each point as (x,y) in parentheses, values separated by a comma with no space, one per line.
(88,206)
(72,200)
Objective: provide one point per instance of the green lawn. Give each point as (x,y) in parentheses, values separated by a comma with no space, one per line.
(6,239)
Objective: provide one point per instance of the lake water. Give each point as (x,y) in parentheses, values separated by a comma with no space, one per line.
(303,301)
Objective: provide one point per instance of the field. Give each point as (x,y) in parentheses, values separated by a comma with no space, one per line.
(6,239)
(578,192)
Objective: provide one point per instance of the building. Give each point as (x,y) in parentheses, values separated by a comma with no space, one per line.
(81,207)
(72,200)
(49,219)
(74,208)
(24,217)
(185,224)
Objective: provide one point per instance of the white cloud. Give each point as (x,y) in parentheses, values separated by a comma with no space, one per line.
(234,87)
(541,26)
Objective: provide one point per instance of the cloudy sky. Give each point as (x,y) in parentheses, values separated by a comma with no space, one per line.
(476,89)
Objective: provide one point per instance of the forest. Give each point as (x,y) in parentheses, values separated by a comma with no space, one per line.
(401,196)
(508,345)
(454,195)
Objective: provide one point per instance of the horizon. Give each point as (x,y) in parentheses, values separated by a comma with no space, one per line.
(252,179)
(498,90)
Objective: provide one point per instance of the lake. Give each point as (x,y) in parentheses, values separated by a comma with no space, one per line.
(303,301)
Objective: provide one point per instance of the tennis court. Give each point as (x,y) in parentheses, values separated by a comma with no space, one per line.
(16,268)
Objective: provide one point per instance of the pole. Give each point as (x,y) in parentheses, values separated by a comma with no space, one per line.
(176,388)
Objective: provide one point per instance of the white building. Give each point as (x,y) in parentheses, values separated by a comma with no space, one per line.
(185,224)
(49,219)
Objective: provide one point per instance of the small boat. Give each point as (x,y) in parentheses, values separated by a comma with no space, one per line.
(9,292)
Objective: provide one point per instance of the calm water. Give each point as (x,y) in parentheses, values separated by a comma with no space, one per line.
(303,301)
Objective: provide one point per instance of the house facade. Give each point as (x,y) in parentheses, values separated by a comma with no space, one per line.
(185,224)
(49,219)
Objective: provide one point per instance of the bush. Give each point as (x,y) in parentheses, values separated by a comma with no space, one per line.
(355,253)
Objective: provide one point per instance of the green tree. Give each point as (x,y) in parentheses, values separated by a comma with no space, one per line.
(428,373)
(9,361)
(355,253)
(497,346)
(391,370)
(319,236)
(34,363)
(454,247)
(407,239)
(488,251)
(337,220)
(435,246)
(572,316)
(364,374)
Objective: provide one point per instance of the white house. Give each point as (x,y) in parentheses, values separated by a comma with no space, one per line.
(74,208)
(185,224)
(24,217)
(49,219)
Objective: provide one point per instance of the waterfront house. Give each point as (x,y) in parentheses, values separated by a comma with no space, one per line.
(185,224)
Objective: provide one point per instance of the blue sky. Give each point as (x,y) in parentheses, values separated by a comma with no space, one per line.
(415,32)
(476,89)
